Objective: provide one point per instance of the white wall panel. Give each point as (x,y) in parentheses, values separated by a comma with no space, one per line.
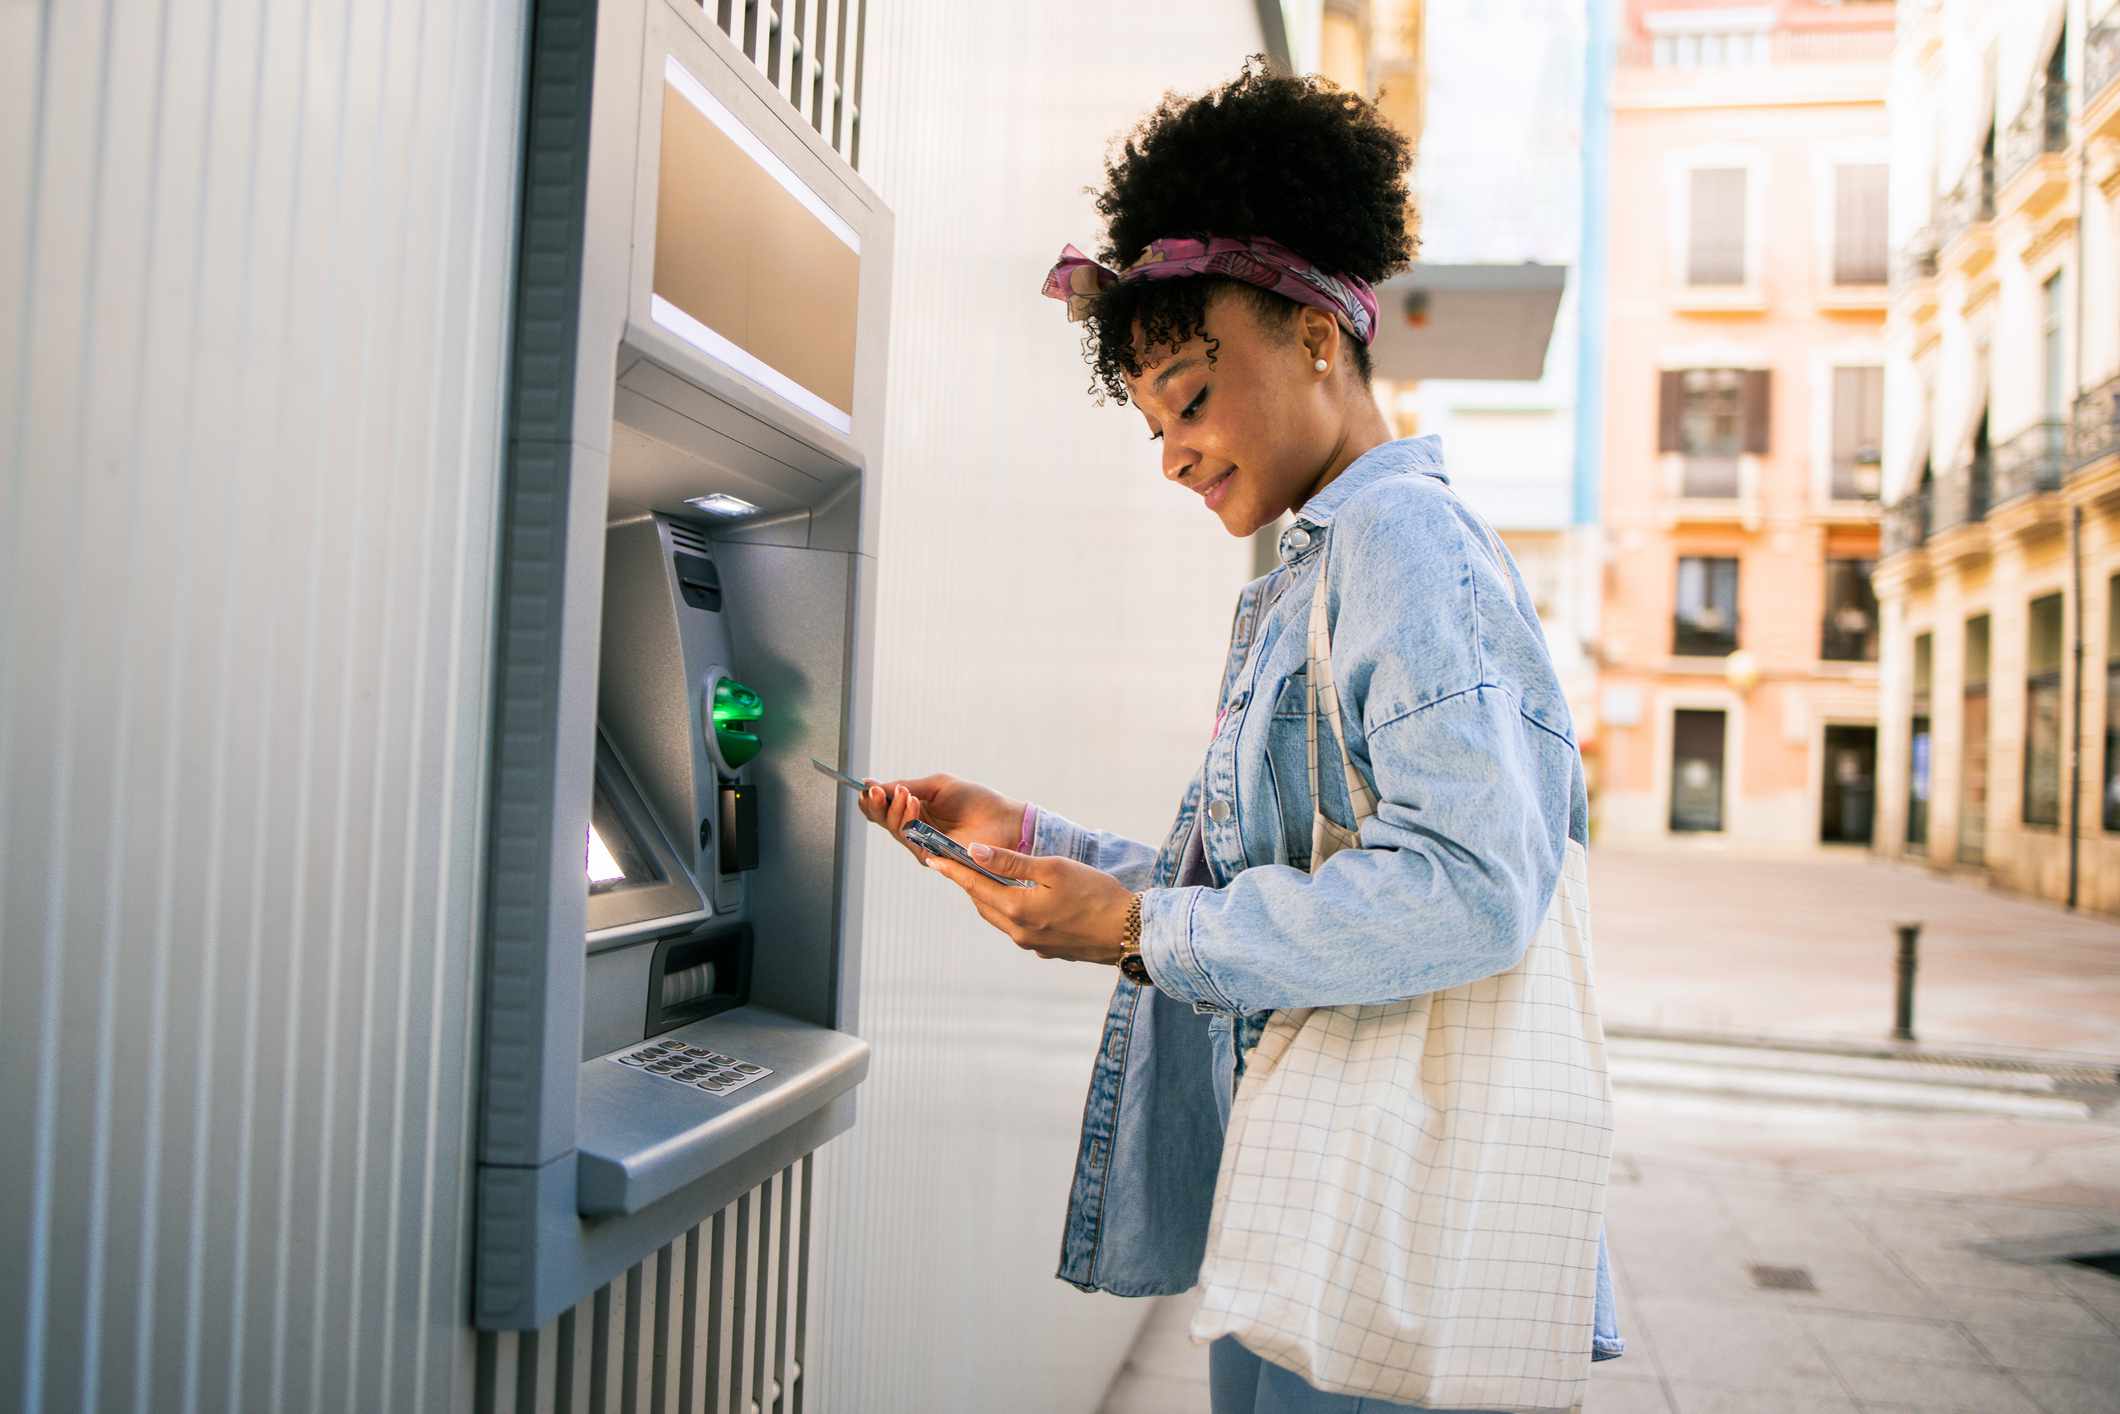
(255,281)
(1051,617)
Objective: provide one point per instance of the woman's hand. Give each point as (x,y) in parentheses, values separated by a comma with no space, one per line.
(1076,912)
(964,810)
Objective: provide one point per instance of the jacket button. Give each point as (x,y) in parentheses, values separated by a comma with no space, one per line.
(1295,540)
(1218,810)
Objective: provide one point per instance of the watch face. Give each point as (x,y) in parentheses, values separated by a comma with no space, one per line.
(1133,968)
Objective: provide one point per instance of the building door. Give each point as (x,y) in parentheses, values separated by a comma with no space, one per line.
(1850,804)
(1696,770)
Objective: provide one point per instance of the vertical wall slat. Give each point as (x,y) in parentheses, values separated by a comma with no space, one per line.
(762,1296)
(739,1385)
(800,1354)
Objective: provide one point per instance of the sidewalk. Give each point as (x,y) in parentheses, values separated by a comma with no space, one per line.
(1693,940)
(1807,1229)
(1777,1259)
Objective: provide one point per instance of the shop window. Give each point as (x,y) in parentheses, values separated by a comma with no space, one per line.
(1973,749)
(2042,712)
(2112,704)
(1918,747)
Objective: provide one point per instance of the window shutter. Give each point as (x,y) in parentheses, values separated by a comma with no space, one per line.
(1859,224)
(1756,410)
(1716,242)
(1670,403)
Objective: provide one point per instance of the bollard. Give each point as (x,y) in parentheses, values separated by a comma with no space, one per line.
(1903,1011)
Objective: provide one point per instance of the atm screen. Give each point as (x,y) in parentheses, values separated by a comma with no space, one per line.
(615,858)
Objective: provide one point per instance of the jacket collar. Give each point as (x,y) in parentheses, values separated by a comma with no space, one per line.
(1407,454)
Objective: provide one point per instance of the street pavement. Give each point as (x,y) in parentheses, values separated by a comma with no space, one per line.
(1804,947)
(1835,1228)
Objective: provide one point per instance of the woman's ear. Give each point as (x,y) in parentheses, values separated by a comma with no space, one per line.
(1319,334)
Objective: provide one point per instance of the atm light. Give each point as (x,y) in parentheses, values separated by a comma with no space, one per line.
(720,504)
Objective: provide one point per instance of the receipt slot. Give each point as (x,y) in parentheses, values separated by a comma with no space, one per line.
(695,399)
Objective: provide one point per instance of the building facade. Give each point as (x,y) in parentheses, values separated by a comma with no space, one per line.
(2000,583)
(1499,183)
(1743,385)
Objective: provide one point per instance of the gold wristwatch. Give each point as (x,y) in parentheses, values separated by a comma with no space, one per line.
(1131,965)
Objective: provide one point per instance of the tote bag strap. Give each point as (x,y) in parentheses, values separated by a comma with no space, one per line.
(1318,683)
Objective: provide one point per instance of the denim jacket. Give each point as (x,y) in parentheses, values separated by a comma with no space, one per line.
(1454,712)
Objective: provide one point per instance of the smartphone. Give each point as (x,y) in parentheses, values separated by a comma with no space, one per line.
(921,833)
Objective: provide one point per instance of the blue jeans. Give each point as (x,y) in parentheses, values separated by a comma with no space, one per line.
(1239,1382)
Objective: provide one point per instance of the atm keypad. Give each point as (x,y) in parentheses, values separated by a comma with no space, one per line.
(694,1066)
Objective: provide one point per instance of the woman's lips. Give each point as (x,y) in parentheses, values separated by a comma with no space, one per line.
(1218,489)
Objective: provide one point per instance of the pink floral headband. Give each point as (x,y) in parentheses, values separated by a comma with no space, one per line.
(1270,265)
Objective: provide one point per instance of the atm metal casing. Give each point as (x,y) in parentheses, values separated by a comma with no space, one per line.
(665,289)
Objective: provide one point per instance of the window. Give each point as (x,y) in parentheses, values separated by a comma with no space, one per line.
(1716,217)
(1696,770)
(2112,704)
(1918,748)
(2053,353)
(1858,432)
(1705,624)
(1859,240)
(2042,712)
(1973,771)
(1711,417)
(1850,633)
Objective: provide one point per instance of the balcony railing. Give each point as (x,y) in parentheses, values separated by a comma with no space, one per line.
(1915,261)
(1848,636)
(2031,461)
(1963,495)
(1971,201)
(1710,478)
(2040,126)
(2096,432)
(2101,56)
(1906,521)
(1856,475)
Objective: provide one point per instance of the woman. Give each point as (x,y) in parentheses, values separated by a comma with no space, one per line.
(1233,309)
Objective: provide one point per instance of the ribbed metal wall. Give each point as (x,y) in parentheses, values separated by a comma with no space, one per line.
(715,1323)
(255,260)
(1051,617)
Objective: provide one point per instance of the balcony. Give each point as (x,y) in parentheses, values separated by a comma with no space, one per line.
(2031,461)
(2100,117)
(1906,522)
(2031,165)
(2095,433)
(1968,220)
(1914,277)
(1963,495)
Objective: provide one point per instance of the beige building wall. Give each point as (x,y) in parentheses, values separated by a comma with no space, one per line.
(2003,425)
(1778,98)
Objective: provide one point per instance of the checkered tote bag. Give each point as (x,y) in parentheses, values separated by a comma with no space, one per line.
(1411,1193)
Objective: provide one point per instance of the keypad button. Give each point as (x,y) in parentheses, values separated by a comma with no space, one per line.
(749,1069)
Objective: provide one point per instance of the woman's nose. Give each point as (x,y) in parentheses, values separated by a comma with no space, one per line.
(1176,458)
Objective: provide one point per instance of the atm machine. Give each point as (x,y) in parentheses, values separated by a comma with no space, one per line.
(695,402)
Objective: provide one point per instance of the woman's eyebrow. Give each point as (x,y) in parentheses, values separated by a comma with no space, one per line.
(1176,368)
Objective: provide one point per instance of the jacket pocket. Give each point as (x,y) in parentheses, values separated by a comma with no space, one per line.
(1287,768)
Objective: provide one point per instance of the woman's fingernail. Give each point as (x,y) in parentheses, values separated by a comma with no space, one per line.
(982,852)
(931,861)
